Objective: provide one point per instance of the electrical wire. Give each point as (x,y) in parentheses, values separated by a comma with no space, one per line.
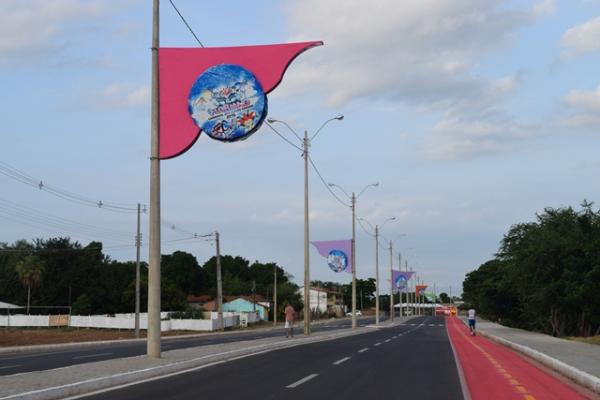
(284,138)
(12,209)
(325,183)
(20,176)
(186,24)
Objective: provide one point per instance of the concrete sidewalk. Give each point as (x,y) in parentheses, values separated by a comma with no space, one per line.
(84,378)
(578,361)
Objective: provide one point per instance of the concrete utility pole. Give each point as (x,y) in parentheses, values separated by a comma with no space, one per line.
(138,243)
(153,343)
(392,287)
(274,295)
(219,283)
(376,275)
(400,292)
(305,147)
(353,205)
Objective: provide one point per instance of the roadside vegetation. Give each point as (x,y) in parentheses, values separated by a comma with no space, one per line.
(57,272)
(545,276)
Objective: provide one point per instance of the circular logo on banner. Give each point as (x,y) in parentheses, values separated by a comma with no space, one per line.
(400,282)
(227,102)
(337,260)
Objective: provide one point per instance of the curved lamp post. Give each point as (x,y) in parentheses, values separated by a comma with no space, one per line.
(305,148)
(353,199)
(377,228)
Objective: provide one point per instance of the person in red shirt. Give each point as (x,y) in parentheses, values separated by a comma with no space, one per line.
(290,316)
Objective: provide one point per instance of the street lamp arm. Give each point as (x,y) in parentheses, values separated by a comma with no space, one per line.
(386,221)
(366,187)
(339,118)
(273,120)
(340,188)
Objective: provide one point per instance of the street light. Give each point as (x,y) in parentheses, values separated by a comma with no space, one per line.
(376,229)
(353,199)
(305,146)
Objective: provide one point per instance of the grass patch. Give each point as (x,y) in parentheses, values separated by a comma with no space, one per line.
(590,340)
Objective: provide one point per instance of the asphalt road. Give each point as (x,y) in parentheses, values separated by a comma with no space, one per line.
(408,361)
(40,360)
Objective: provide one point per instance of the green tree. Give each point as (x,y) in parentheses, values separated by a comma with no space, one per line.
(30,271)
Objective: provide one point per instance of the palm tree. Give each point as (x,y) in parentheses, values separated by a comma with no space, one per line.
(30,270)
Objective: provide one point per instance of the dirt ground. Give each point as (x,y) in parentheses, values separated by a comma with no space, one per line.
(26,337)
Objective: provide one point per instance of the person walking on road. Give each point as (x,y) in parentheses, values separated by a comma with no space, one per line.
(290,316)
(471,319)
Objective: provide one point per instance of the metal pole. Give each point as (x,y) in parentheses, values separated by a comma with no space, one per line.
(153,343)
(219,283)
(392,289)
(305,143)
(274,295)
(376,275)
(354,262)
(400,292)
(138,242)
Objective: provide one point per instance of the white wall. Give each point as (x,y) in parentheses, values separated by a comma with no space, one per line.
(127,321)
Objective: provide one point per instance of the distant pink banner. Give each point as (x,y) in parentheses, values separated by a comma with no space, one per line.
(180,67)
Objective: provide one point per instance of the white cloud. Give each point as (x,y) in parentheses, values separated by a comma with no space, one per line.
(581,39)
(118,95)
(30,29)
(460,137)
(545,7)
(583,109)
(423,51)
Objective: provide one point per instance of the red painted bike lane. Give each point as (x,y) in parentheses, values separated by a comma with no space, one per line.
(492,371)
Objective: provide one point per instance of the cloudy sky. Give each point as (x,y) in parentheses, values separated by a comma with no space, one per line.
(472,115)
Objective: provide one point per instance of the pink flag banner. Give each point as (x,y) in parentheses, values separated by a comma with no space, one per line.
(400,280)
(217,90)
(337,252)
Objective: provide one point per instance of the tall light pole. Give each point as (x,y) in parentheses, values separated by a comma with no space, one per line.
(219,283)
(274,294)
(305,149)
(153,342)
(353,199)
(377,228)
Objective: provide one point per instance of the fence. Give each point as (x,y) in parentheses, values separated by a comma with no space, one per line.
(127,321)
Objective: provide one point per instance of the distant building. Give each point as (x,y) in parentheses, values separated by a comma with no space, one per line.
(318,299)
(245,304)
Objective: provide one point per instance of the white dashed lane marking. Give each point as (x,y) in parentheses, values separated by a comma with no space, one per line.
(301,381)
(378,344)
(363,350)
(338,362)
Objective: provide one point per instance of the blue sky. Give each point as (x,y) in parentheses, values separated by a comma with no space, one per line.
(472,116)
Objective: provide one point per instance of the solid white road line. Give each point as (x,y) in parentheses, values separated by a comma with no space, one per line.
(11,366)
(363,350)
(338,362)
(301,381)
(92,355)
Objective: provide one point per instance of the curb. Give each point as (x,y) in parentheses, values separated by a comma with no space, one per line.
(586,380)
(112,381)
(583,378)
(59,346)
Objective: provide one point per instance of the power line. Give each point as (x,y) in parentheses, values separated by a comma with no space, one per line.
(283,137)
(186,24)
(20,176)
(325,183)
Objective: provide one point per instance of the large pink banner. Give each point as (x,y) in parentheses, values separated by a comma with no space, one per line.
(180,67)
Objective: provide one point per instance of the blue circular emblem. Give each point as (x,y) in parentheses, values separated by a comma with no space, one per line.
(400,282)
(227,102)
(337,260)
